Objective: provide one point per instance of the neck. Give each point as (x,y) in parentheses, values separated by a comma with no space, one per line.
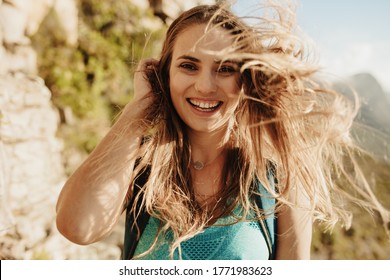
(206,147)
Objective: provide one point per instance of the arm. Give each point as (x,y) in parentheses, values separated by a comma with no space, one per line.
(294,231)
(91,200)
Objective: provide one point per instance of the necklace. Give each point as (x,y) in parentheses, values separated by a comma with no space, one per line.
(199,165)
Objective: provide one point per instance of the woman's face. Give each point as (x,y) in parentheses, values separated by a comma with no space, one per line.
(204,88)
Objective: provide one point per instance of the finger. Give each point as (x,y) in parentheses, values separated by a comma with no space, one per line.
(148,63)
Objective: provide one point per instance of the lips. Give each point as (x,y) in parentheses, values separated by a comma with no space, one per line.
(204,105)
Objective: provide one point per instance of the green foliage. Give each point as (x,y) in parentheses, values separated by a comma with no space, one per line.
(94,78)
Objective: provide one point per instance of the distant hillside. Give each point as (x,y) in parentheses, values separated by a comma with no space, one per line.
(375,111)
(372,126)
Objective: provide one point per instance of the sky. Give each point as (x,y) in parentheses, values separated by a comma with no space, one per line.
(351,36)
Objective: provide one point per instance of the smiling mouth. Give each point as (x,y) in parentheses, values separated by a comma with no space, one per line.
(204,106)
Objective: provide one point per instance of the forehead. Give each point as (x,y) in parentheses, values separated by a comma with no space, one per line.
(197,39)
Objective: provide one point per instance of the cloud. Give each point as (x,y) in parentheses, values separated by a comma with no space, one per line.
(352,58)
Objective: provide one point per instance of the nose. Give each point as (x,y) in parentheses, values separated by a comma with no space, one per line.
(206,83)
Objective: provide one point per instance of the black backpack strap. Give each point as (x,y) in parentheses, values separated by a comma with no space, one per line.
(134,229)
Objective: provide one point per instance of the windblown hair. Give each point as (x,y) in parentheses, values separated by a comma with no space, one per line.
(285,119)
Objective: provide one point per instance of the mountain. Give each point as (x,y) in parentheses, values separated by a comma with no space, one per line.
(375,107)
(372,128)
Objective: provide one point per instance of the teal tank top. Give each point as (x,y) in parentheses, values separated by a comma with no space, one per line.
(221,241)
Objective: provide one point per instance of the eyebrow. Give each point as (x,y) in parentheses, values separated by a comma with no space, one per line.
(188,57)
(194,59)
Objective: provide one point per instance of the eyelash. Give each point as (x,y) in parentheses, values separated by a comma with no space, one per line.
(222,70)
(226,70)
(188,66)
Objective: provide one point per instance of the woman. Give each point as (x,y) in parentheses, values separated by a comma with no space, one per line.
(225,113)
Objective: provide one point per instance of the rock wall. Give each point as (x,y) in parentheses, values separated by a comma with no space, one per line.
(31,169)
(31,163)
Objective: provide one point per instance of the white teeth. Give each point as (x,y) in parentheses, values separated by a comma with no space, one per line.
(203,104)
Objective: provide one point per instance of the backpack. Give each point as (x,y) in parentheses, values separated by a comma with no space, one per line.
(133,231)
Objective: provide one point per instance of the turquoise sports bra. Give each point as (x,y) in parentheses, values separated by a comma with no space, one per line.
(234,238)
(239,241)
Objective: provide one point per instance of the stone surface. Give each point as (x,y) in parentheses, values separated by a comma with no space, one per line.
(31,162)
(31,168)
(20,19)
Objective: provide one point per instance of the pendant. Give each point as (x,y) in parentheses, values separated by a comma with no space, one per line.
(198,165)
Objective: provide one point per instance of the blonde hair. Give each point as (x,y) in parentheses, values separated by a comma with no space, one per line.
(285,118)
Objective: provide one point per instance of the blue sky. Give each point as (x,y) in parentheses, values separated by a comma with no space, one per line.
(351,35)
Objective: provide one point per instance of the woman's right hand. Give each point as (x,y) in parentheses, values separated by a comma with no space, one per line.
(143,93)
(142,86)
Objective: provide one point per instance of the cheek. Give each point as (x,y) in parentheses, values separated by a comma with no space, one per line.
(233,89)
(178,84)
(172,84)
(234,94)
(176,88)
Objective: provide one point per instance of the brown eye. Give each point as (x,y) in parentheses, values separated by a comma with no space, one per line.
(226,70)
(188,66)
